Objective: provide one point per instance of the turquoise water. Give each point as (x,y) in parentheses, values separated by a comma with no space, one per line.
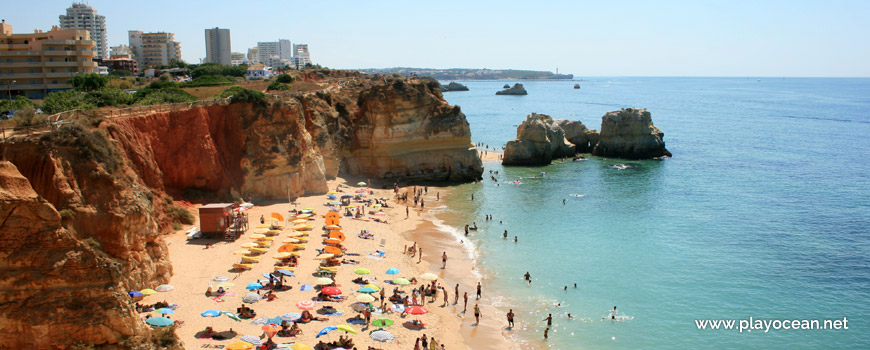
(763,212)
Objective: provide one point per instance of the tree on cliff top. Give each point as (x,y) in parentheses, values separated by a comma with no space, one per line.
(89,82)
(239,94)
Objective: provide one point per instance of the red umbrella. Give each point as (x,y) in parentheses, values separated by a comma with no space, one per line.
(416,310)
(330,291)
(270,329)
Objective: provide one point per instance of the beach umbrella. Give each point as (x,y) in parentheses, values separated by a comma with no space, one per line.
(323,281)
(336,251)
(258,235)
(226,285)
(286,248)
(164,311)
(164,288)
(330,291)
(331,192)
(362,271)
(428,276)
(358,307)
(148,291)
(382,322)
(286,272)
(260,320)
(300,346)
(332,241)
(242,252)
(346,328)
(398,308)
(261,230)
(381,335)
(135,293)
(325,330)
(393,271)
(210,313)
(347,196)
(274,320)
(253,286)
(367,290)
(278,216)
(324,256)
(365,298)
(159,322)
(232,316)
(264,226)
(253,339)
(334,203)
(221,279)
(401,281)
(306,305)
(251,298)
(290,240)
(290,316)
(372,286)
(249,245)
(331,196)
(416,310)
(296,234)
(240,345)
(337,235)
(360,183)
(270,330)
(282,255)
(300,221)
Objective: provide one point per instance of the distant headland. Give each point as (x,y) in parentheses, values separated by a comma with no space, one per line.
(471,73)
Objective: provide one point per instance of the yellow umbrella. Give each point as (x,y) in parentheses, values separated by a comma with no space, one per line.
(346,328)
(365,298)
(242,252)
(300,346)
(264,226)
(372,286)
(261,230)
(299,227)
(265,238)
(331,192)
(249,245)
(284,255)
(324,256)
(322,281)
(300,221)
(296,234)
(258,235)
(274,232)
(290,240)
(240,345)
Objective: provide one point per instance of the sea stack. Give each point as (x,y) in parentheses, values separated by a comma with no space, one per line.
(630,133)
(517,89)
(539,140)
(453,86)
(576,86)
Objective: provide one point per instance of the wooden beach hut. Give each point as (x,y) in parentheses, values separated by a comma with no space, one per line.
(214,219)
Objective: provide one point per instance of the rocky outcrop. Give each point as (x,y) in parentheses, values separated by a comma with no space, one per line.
(630,133)
(453,86)
(58,289)
(577,134)
(517,89)
(539,141)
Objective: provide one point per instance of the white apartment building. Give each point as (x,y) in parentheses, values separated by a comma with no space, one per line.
(81,16)
(253,55)
(237,58)
(154,49)
(301,56)
(281,48)
(217,46)
(120,51)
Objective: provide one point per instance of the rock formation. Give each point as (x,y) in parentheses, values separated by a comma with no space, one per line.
(576,86)
(453,86)
(506,86)
(577,134)
(629,133)
(517,89)
(539,141)
(107,185)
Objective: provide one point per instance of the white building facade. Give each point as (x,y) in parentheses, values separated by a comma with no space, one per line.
(81,16)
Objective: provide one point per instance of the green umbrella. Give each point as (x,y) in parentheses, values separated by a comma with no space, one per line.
(401,281)
(382,322)
(362,271)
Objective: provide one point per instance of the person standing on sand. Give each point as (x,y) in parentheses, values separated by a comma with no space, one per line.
(510,318)
(421,255)
(476,314)
(417,345)
(466,230)
(444,260)
(456,296)
(407,212)
(465,300)
(444,290)
(382,295)
(478,290)
(262,220)
(422,203)
(438,196)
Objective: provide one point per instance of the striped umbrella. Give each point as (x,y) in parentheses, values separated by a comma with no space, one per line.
(254,340)
(306,305)
(164,288)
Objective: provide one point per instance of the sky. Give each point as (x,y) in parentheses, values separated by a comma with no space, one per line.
(586,38)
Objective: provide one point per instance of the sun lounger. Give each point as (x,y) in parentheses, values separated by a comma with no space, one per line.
(240,266)
(259,250)
(383,242)
(250,259)
(288,268)
(193,233)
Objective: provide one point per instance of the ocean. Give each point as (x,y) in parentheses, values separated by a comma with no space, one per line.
(763,212)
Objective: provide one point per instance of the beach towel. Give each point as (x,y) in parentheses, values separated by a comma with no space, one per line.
(229,294)
(218,299)
(306,287)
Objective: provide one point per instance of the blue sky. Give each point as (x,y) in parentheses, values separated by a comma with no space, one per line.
(586,38)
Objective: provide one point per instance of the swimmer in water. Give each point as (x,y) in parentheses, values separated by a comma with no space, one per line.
(505,233)
(515,239)
(569,316)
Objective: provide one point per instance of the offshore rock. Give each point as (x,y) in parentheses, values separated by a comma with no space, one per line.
(517,89)
(539,141)
(453,86)
(630,133)
(578,134)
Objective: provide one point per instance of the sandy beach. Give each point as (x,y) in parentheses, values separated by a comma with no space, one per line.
(195,267)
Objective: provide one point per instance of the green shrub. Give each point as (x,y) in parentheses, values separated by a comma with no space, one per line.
(230,91)
(179,214)
(91,144)
(89,82)
(168,95)
(120,73)
(217,69)
(276,86)
(27,116)
(66,100)
(67,214)
(176,226)
(109,97)
(250,96)
(284,78)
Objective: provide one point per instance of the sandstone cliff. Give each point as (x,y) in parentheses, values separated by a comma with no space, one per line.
(539,141)
(630,133)
(578,134)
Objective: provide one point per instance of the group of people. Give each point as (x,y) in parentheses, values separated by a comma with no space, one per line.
(424,343)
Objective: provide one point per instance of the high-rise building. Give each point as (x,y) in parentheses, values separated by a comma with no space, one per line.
(237,58)
(37,63)
(301,56)
(217,46)
(253,54)
(154,49)
(81,16)
(282,48)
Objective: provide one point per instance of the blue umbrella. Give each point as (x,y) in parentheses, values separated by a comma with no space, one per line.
(253,286)
(393,271)
(232,316)
(268,274)
(347,196)
(161,322)
(135,293)
(286,272)
(165,310)
(211,313)
(367,290)
(331,196)
(325,330)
